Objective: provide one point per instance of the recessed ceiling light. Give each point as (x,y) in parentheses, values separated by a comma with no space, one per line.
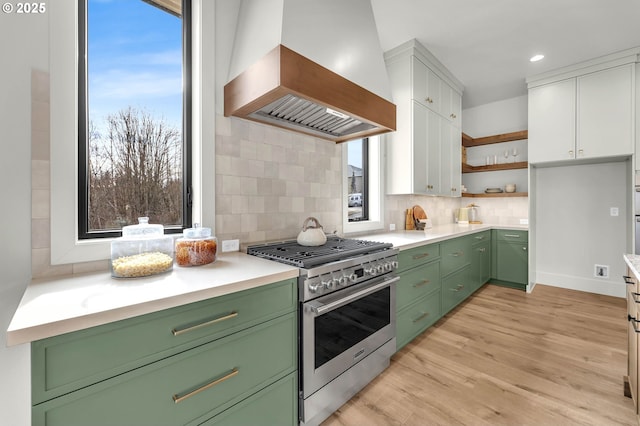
(536,58)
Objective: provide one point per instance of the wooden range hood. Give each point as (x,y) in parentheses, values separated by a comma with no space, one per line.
(288,90)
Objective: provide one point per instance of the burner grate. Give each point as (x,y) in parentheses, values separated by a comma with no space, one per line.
(336,248)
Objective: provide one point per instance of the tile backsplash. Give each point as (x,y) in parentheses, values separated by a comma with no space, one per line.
(268,181)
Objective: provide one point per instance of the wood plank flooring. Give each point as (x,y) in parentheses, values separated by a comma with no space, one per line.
(504,357)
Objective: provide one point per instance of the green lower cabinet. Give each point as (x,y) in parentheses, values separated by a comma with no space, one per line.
(480,264)
(512,269)
(187,388)
(273,405)
(455,288)
(416,318)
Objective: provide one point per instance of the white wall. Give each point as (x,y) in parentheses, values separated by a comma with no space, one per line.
(24,46)
(574,229)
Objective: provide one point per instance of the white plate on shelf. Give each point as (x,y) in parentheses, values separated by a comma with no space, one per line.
(493,190)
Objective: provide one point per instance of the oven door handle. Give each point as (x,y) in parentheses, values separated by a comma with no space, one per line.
(319,308)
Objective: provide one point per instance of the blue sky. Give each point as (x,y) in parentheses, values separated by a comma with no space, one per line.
(134,58)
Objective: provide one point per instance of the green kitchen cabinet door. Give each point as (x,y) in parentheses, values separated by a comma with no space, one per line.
(481,264)
(184,389)
(416,318)
(456,288)
(276,404)
(512,263)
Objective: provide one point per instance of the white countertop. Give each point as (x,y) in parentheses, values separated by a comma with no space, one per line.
(405,240)
(633,261)
(58,305)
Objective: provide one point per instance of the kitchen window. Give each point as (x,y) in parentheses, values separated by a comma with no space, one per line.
(134,137)
(64,23)
(362,183)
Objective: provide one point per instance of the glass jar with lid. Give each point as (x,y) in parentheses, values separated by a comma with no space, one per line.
(142,250)
(196,247)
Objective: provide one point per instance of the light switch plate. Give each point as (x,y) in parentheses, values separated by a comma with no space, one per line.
(614,211)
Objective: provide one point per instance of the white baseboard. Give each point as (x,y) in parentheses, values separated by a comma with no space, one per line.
(590,285)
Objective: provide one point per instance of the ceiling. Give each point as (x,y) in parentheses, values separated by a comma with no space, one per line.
(487,44)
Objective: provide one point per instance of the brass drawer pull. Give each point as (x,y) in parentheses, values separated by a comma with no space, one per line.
(420,256)
(458,288)
(457,254)
(421,283)
(421,317)
(480,237)
(177,331)
(179,398)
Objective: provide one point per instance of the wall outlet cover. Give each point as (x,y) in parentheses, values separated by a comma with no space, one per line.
(392,227)
(601,271)
(230,245)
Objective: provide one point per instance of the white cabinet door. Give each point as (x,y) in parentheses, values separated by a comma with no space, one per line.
(420,148)
(433,159)
(605,113)
(426,85)
(451,161)
(456,108)
(552,121)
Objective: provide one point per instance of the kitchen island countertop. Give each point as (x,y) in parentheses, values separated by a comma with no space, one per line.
(58,305)
(633,261)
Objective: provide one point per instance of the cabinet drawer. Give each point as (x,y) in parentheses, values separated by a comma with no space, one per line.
(416,318)
(189,387)
(509,235)
(456,288)
(274,405)
(70,361)
(455,254)
(417,256)
(480,237)
(417,282)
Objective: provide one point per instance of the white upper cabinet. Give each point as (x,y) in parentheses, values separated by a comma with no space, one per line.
(584,113)
(424,153)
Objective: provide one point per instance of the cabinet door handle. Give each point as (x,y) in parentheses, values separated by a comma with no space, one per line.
(628,280)
(179,331)
(421,283)
(420,256)
(524,248)
(457,254)
(512,235)
(452,116)
(634,323)
(581,152)
(480,237)
(458,288)
(179,398)
(571,153)
(482,250)
(429,100)
(421,317)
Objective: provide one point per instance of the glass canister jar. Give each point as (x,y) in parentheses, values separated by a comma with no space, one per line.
(196,247)
(142,250)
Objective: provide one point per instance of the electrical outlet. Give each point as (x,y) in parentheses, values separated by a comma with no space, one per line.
(614,211)
(524,221)
(601,271)
(392,227)
(230,245)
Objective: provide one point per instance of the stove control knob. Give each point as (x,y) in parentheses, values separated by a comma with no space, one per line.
(315,287)
(327,284)
(395,264)
(388,266)
(353,278)
(380,268)
(337,281)
(370,271)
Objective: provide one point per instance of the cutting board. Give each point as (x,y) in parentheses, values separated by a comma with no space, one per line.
(418,213)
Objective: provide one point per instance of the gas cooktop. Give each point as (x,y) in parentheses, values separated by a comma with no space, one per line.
(336,248)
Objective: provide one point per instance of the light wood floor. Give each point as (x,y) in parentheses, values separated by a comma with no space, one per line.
(504,357)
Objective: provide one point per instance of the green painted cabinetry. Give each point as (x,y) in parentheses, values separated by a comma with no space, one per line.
(480,259)
(417,292)
(185,365)
(511,263)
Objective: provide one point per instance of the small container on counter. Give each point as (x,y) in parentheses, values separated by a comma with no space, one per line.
(196,247)
(142,250)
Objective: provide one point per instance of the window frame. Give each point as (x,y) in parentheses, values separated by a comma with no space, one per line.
(66,247)
(375,189)
(83,166)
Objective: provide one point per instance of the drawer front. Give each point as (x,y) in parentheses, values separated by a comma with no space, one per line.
(67,362)
(481,237)
(512,236)
(417,282)
(189,387)
(417,256)
(456,288)
(455,254)
(416,318)
(276,404)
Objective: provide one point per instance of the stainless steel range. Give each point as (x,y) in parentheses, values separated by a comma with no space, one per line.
(346,317)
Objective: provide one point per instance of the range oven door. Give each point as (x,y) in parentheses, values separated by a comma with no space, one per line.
(343,327)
